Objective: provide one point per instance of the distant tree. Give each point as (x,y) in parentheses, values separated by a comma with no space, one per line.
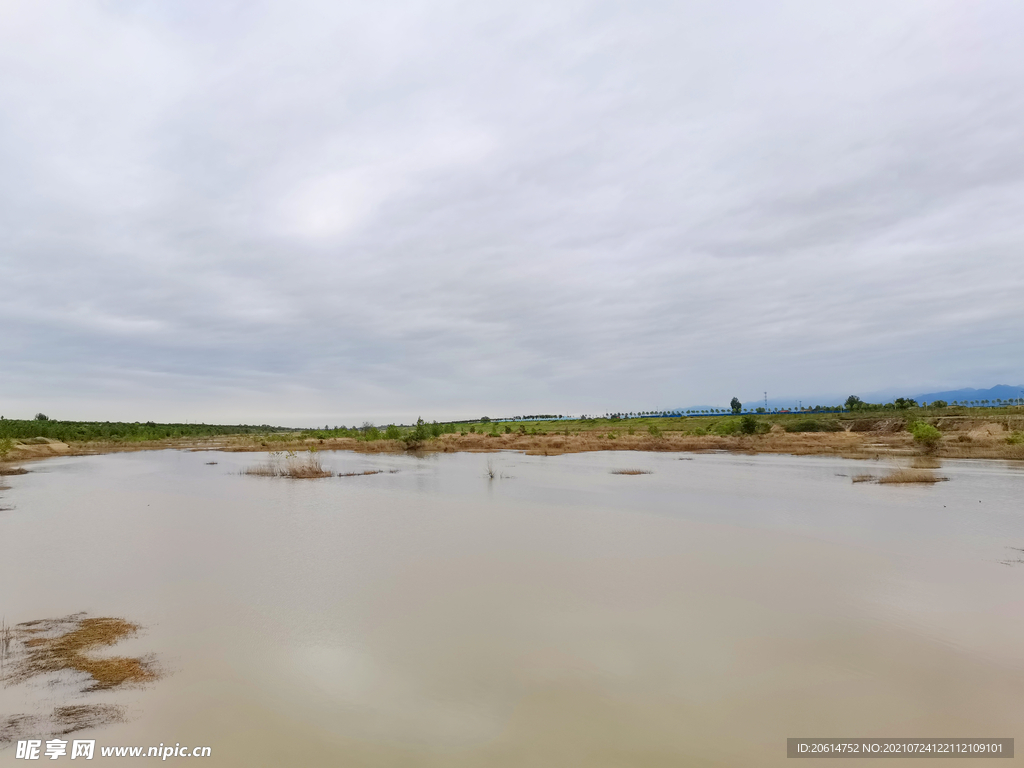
(854,403)
(41,417)
(736,405)
(760,409)
(939,404)
(419,433)
(484,419)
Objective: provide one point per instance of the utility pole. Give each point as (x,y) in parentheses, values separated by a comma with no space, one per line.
(766,402)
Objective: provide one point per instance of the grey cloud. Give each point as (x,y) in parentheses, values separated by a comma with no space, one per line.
(313,212)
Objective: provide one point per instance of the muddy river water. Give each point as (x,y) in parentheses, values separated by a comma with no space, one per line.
(555,615)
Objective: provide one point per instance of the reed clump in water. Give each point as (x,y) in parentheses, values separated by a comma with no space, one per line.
(300,467)
(57,645)
(911,475)
(632,472)
(361,474)
(863,478)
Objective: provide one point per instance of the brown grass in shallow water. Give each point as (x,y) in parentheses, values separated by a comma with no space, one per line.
(300,467)
(632,472)
(911,475)
(58,645)
(865,478)
(360,474)
(62,721)
(926,462)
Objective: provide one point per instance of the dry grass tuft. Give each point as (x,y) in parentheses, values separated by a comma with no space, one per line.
(911,475)
(300,467)
(6,638)
(77,717)
(62,721)
(864,478)
(360,474)
(58,645)
(632,472)
(8,470)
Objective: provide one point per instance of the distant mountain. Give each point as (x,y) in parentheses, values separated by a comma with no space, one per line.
(998,392)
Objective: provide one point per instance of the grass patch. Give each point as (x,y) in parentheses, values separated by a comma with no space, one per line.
(307,466)
(632,472)
(57,645)
(12,471)
(911,475)
(360,474)
(863,478)
(812,425)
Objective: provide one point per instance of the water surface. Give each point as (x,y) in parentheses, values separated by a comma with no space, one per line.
(557,615)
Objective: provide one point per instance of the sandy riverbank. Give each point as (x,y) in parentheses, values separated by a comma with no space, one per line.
(962,438)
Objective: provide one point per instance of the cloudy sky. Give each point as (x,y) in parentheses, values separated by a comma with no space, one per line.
(321,212)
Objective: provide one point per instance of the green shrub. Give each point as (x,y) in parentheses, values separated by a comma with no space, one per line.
(419,433)
(748,425)
(6,446)
(653,429)
(392,433)
(925,434)
(508,430)
(727,427)
(1017,438)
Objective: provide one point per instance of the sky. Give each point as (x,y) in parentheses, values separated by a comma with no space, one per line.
(308,212)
